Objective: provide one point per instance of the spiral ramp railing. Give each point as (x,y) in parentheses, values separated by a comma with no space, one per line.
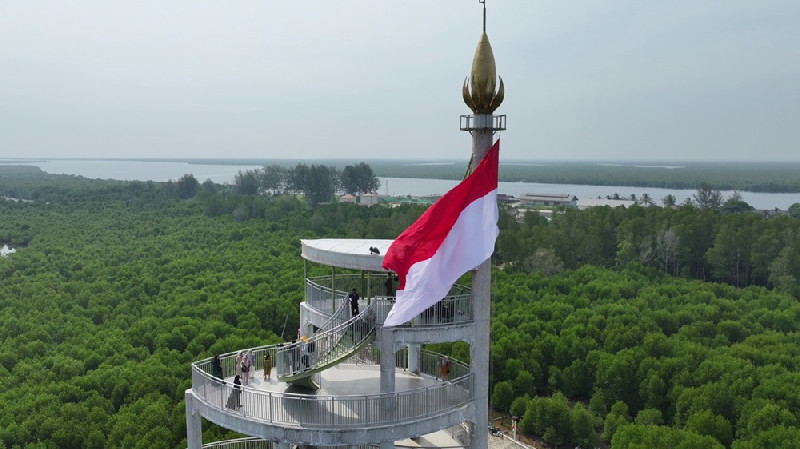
(297,362)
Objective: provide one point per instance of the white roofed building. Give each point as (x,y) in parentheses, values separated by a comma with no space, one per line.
(548,199)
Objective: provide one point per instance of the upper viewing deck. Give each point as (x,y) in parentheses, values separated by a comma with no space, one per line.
(354,254)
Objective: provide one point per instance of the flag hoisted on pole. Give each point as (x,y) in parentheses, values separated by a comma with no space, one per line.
(456,234)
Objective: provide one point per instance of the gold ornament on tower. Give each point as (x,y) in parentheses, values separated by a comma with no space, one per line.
(483,99)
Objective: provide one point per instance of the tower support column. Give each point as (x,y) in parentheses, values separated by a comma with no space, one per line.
(482,131)
(194,424)
(482,127)
(387,359)
(387,377)
(413,358)
(479,354)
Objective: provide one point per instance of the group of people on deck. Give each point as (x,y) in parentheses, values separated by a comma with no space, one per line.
(245,360)
(245,370)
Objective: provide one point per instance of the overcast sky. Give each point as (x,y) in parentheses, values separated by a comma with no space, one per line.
(585,80)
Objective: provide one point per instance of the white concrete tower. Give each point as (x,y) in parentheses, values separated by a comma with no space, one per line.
(483,95)
(332,388)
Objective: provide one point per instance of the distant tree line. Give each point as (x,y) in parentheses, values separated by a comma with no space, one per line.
(316,183)
(706,197)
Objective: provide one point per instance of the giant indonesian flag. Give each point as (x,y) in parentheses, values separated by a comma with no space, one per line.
(456,234)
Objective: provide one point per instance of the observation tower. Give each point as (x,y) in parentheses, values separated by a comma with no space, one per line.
(348,381)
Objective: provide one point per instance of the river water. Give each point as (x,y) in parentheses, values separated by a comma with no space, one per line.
(163,171)
(420,187)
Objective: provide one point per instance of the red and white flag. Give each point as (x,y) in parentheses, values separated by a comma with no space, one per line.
(456,234)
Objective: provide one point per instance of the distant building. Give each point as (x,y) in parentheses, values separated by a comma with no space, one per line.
(503,198)
(347,198)
(548,199)
(367,199)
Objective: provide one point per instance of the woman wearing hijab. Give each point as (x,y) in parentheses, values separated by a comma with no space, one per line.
(235,400)
(216,367)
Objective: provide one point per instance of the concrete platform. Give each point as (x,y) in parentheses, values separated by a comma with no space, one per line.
(345,380)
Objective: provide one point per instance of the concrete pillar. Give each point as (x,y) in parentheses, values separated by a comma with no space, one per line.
(481,283)
(413,358)
(194,424)
(387,407)
(281,445)
(479,354)
(481,137)
(387,359)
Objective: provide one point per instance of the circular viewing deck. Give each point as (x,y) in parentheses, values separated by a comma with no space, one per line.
(347,409)
(357,400)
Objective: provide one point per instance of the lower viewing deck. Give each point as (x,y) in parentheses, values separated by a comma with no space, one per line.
(345,381)
(347,409)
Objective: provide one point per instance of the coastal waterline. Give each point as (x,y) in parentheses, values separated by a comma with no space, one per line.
(159,171)
(129,170)
(422,187)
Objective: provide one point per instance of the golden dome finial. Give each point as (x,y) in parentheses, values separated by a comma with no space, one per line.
(483,99)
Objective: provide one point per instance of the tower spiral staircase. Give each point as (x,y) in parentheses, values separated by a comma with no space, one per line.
(348,381)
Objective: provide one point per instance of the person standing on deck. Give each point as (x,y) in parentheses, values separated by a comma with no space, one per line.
(444,368)
(245,368)
(234,400)
(267,365)
(216,367)
(353,298)
(252,358)
(389,284)
(239,357)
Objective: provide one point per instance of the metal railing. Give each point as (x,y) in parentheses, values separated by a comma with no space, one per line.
(332,411)
(321,296)
(451,309)
(240,443)
(325,347)
(328,293)
(329,320)
(357,446)
(340,335)
(229,362)
(456,307)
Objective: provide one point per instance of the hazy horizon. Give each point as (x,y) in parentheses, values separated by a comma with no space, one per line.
(640,163)
(606,81)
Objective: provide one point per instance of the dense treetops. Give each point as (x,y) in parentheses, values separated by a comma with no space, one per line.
(639,347)
(701,243)
(605,327)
